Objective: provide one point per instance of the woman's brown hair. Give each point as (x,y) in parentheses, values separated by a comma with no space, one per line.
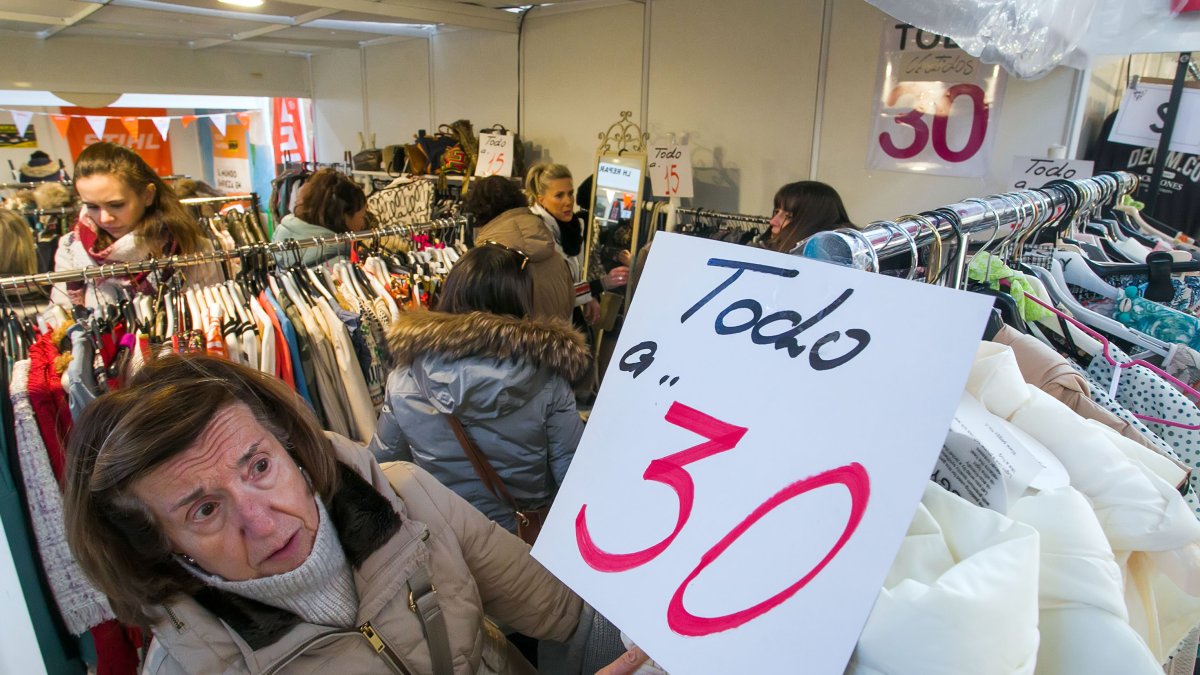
(18,255)
(328,198)
(125,434)
(165,219)
(490,278)
(812,207)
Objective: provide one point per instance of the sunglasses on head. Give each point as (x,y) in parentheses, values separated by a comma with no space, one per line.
(524,256)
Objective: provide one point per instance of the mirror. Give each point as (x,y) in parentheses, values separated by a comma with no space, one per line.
(614,215)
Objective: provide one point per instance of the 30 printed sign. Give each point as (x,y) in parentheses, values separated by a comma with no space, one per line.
(937,106)
(765,431)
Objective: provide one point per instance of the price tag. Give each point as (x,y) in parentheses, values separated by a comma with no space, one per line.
(670,168)
(495,155)
(755,457)
(937,106)
(1033,172)
(1144,111)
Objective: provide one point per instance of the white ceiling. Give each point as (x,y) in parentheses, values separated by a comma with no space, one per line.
(276,25)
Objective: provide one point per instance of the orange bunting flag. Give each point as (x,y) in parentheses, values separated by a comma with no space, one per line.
(244,119)
(62,123)
(131,126)
(187,120)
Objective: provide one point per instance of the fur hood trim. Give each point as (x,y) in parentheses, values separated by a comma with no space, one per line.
(550,342)
(43,171)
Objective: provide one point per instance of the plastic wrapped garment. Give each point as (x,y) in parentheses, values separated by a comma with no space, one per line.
(1028,38)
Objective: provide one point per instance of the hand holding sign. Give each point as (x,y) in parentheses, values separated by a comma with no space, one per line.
(764,510)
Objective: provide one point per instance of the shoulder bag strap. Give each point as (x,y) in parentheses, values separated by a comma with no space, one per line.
(423,601)
(483,468)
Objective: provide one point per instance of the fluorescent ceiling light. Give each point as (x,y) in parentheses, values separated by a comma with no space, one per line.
(381,27)
(243,3)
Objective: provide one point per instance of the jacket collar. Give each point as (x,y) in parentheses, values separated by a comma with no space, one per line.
(365,521)
(550,342)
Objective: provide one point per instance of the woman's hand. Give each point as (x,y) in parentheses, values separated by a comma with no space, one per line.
(617,278)
(591,311)
(627,664)
(624,258)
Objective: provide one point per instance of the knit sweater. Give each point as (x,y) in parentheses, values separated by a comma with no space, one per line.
(320,591)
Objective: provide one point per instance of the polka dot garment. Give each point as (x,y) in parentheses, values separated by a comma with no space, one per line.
(1144,393)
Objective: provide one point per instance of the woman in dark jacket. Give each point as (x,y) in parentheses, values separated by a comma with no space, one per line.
(505,375)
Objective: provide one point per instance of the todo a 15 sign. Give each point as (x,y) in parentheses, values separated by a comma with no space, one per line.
(670,168)
(936,107)
(766,428)
(495,155)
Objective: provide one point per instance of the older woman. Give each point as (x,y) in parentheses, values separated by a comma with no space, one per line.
(203,499)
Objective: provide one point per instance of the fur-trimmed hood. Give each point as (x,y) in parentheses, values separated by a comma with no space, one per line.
(550,343)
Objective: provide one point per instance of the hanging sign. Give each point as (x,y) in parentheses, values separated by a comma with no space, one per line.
(936,106)
(1143,115)
(286,129)
(147,142)
(1028,173)
(231,161)
(773,420)
(495,155)
(670,168)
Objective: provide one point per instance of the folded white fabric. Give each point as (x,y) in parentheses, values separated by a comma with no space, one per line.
(961,596)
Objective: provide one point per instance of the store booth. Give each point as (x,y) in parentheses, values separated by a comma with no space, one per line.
(687,117)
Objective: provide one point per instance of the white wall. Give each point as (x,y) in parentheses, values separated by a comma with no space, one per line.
(70,64)
(475,78)
(398,90)
(1032,116)
(738,78)
(337,102)
(582,69)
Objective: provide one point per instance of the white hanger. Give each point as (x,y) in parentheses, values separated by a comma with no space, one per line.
(1075,271)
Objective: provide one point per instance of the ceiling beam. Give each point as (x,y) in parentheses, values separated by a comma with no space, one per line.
(456,14)
(33,18)
(73,19)
(265,30)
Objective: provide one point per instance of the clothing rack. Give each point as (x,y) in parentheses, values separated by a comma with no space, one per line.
(719,215)
(990,219)
(153,264)
(253,196)
(30,186)
(57,211)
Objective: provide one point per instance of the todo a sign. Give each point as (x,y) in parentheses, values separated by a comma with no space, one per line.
(670,169)
(765,431)
(1033,172)
(495,155)
(936,107)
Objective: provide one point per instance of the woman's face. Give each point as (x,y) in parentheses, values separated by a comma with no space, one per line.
(358,221)
(236,502)
(111,204)
(779,220)
(559,198)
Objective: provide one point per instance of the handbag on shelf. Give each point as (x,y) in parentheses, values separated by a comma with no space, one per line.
(367,159)
(529,521)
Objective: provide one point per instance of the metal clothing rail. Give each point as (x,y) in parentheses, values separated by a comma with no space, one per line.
(253,196)
(718,215)
(989,219)
(153,264)
(31,186)
(56,211)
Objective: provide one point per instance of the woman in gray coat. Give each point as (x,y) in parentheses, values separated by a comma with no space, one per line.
(507,377)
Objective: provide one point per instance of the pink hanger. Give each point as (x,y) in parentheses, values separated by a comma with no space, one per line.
(1186,389)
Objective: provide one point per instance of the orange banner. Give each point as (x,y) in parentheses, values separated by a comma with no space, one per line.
(146,142)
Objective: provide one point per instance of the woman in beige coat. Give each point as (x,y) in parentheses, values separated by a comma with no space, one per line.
(502,215)
(203,499)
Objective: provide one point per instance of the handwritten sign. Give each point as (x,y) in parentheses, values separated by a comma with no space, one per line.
(495,155)
(670,168)
(936,107)
(1143,115)
(762,439)
(1033,172)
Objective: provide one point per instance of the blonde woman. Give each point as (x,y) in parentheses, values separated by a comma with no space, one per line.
(17,254)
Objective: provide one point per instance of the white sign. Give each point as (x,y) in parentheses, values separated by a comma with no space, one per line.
(232,175)
(670,168)
(936,107)
(1143,114)
(618,177)
(765,431)
(495,155)
(1033,172)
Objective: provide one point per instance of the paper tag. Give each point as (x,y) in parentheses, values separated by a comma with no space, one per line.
(670,168)
(495,155)
(988,461)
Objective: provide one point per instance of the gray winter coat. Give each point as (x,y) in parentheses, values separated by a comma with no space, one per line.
(507,380)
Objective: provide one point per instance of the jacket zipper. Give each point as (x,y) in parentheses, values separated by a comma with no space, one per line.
(174,619)
(383,649)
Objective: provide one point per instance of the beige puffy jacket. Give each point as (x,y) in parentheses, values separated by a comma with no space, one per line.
(522,229)
(390,520)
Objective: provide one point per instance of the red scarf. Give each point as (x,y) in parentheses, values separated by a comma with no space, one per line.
(90,239)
